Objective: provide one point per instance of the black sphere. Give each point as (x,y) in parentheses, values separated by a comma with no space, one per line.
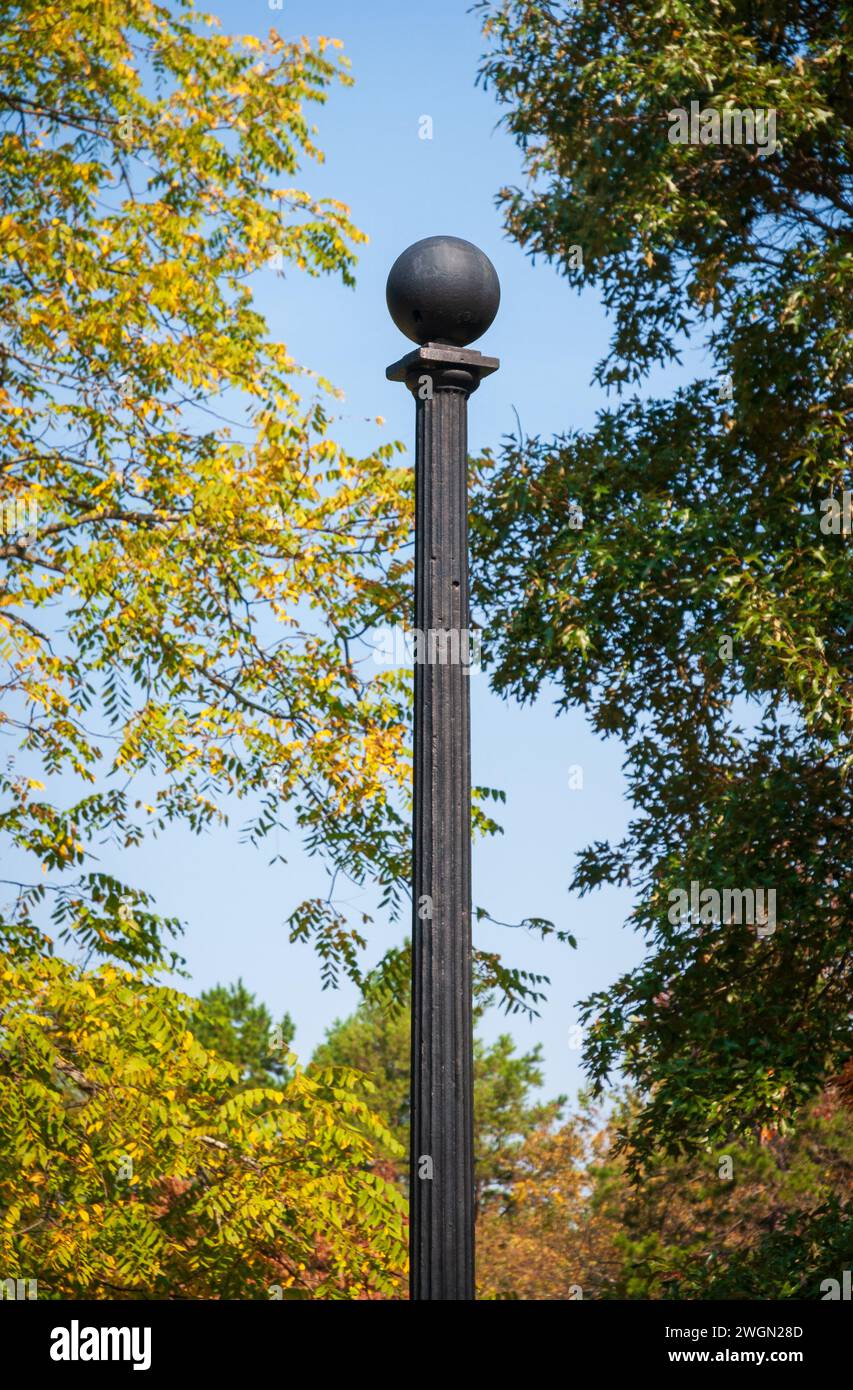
(443,290)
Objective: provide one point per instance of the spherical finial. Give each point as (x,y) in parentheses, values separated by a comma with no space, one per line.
(443,290)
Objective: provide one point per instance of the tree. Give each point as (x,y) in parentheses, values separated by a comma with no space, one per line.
(134,1165)
(188,558)
(232,1024)
(533,1238)
(190,566)
(702,610)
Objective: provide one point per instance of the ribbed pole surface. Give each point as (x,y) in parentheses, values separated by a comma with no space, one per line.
(442,1205)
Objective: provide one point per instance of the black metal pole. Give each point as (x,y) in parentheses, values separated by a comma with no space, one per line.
(442,375)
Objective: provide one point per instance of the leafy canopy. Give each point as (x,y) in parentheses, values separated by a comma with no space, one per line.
(177,618)
(231,1023)
(703,612)
(134,1165)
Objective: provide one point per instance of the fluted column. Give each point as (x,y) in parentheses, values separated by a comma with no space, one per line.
(442,293)
(442,1164)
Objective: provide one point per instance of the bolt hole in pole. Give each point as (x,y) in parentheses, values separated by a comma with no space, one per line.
(442,293)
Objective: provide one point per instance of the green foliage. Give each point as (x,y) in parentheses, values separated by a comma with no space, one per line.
(374,1040)
(134,1165)
(746,1221)
(231,1023)
(702,612)
(175,627)
(794,1261)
